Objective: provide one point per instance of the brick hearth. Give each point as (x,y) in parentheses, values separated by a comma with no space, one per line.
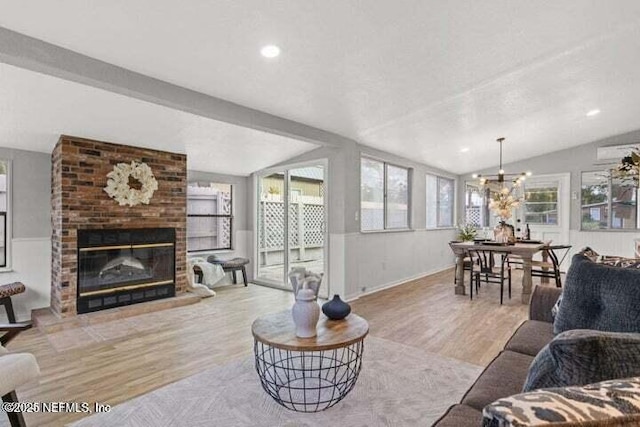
(78,201)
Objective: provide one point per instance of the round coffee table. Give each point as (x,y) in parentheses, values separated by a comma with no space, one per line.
(308,374)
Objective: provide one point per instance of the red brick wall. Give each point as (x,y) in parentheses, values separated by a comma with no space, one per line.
(78,201)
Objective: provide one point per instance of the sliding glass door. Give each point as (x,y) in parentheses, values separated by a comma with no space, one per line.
(291,224)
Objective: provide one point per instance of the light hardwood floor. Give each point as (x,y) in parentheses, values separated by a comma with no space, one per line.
(155,349)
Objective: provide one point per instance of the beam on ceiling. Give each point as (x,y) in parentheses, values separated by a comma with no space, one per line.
(36,55)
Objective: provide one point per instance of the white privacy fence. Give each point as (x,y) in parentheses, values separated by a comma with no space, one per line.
(473,216)
(306,229)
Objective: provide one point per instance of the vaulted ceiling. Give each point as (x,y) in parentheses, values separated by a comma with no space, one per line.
(434,81)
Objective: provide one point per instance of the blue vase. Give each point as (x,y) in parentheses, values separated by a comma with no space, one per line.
(336,309)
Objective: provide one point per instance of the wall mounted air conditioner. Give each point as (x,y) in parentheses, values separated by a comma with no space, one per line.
(615,152)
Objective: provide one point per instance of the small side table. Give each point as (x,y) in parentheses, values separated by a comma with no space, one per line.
(308,374)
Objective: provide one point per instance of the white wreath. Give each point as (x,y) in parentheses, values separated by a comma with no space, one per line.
(118,183)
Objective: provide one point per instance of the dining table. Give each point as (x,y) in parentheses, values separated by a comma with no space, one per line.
(525,251)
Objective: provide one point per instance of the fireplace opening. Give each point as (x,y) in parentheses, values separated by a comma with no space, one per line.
(122,267)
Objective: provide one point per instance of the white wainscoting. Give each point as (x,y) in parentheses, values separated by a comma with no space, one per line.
(31,265)
(382,260)
(604,242)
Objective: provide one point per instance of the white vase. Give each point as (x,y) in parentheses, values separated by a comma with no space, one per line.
(306,313)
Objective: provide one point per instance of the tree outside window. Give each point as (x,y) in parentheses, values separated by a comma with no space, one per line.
(608,202)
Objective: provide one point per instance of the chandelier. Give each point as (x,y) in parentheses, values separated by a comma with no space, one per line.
(501,179)
(501,188)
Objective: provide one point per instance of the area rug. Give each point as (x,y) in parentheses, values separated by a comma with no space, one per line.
(398,386)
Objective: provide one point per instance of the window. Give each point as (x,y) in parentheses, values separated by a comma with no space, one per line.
(608,203)
(4,202)
(541,203)
(384,195)
(476,205)
(440,201)
(209,216)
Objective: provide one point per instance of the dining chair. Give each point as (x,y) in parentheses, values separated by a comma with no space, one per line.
(550,268)
(466,263)
(485,267)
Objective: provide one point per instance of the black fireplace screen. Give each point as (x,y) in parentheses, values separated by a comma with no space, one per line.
(105,268)
(118,267)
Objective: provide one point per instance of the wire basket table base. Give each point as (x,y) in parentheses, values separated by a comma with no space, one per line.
(308,381)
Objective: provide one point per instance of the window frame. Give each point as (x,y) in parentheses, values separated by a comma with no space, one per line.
(8,229)
(558,185)
(385,225)
(454,185)
(609,229)
(230,216)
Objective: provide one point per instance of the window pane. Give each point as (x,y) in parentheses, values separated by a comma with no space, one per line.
(3,213)
(371,194)
(475,207)
(432,201)
(212,199)
(209,232)
(440,201)
(623,205)
(594,210)
(541,203)
(445,202)
(397,197)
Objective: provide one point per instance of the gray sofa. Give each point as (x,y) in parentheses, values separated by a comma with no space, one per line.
(506,374)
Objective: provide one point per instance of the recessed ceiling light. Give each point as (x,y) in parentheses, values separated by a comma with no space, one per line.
(270,51)
(593,113)
(464,150)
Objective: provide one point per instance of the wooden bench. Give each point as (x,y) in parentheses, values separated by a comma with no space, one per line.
(232,265)
(6,292)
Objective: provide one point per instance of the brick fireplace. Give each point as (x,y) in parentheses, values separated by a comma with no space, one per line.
(79,202)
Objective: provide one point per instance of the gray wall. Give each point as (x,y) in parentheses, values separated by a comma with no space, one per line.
(574,160)
(344,183)
(365,262)
(30,192)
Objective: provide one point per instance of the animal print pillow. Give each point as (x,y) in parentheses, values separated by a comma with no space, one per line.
(613,403)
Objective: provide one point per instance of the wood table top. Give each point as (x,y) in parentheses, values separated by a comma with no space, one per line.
(278,330)
(517,248)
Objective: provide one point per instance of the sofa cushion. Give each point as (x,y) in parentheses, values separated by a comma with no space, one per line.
(599,297)
(582,357)
(460,416)
(531,337)
(609,403)
(504,376)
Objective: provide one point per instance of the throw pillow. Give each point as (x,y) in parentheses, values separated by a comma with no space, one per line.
(600,297)
(582,357)
(590,253)
(613,403)
(618,261)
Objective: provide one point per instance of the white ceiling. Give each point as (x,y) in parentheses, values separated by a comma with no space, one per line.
(35,109)
(421,79)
